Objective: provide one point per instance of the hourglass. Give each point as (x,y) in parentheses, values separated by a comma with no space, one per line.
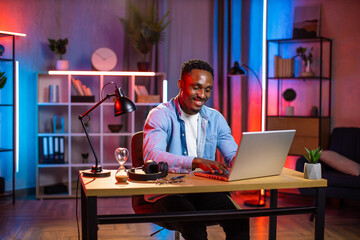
(121,155)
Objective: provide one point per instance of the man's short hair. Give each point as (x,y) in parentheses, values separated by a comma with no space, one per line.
(188,66)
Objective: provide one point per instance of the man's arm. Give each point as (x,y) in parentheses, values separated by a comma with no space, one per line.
(225,142)
(157,134)
(226,145)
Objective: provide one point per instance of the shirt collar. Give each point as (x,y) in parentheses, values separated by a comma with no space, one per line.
(179,112)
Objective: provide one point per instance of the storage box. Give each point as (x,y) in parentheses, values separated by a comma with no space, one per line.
(82,98)
(56,189)
(148,99)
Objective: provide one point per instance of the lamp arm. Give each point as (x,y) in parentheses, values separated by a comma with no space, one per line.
(257,77)
(81,117)
(96,105)
(91,146)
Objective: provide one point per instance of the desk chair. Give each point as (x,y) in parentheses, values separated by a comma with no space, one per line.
(138,202)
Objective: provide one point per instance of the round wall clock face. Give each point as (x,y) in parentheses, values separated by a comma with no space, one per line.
(2,50)
(103,59)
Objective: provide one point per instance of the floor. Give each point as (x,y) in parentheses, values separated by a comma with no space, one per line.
(56,219)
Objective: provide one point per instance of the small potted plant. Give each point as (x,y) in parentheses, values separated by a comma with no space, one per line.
(59,48)
(289,95)
(312,169)
(144,31)
(3,79)
(307,61)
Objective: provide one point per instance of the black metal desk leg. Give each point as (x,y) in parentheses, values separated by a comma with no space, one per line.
(320,213)
(273,219)
(84,224)
(89,221)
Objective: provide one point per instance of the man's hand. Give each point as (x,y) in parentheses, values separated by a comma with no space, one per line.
(208,165)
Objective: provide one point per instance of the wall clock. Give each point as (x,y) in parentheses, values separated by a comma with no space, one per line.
(103,59)
(2,49)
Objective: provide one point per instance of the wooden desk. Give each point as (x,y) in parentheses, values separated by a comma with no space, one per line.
(107,187)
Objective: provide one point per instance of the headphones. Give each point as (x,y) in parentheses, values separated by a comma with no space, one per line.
(152,169)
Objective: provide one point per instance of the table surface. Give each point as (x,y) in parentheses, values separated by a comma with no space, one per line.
(108,187)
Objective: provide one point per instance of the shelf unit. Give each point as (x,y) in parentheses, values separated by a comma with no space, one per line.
(312,129)
(59,179)
(9,105)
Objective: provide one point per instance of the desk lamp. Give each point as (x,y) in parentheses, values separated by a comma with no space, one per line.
(238,69)
(122,105)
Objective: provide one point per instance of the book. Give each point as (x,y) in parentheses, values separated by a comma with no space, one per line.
(80,88)
(141,90)
(88,91)
(283,67)
(61,150)
(44,151)
(62,124)
(137,90)
(54,93)
(79,85)
(56,149)
(76,86)
(51,150)
(84,88)
(58,124)
(277,60)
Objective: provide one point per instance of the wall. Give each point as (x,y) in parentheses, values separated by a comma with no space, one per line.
(252,35)
(189,36)
(89,25)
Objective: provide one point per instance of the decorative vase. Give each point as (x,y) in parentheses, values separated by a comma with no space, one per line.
(314,111)
(312,171)
(143,66)
(289,111)
(62,65)
(85,157)
(307,71)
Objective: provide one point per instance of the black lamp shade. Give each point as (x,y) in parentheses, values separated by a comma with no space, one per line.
(123,105)
(237,69)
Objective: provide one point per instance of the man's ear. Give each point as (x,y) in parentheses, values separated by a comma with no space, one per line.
(180,82)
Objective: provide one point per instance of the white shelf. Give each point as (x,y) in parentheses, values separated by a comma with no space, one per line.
(60,165)
(54,134)
(104,141)
(147,104)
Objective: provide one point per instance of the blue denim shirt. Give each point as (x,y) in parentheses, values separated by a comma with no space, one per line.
(164,137)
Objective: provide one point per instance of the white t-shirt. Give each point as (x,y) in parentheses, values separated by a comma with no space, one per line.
(191,127)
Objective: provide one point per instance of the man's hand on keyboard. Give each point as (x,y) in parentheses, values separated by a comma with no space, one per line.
(208,165)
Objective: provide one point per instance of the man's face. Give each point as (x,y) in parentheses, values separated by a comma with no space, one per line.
(195,90)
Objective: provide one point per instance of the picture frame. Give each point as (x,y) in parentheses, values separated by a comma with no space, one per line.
(307,21)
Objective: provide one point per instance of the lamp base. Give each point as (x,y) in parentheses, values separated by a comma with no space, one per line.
(254,203)
(96,172)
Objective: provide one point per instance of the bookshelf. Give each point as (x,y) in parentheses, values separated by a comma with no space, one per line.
(9,107)
(57,178)
(312,114)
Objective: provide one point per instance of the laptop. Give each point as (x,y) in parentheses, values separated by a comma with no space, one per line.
(259,154)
